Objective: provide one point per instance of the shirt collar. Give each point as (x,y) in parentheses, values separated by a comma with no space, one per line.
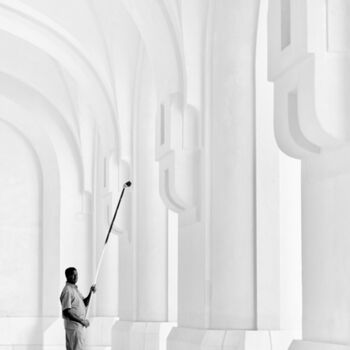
(71,284)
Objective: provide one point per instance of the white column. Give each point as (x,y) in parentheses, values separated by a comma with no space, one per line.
(143,246)
(104,206)
(309,64)
(206,150)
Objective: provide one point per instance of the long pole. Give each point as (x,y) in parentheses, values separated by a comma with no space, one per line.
(126,185)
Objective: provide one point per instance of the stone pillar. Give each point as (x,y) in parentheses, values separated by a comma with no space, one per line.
(206,152)
(309,42)
(143,244)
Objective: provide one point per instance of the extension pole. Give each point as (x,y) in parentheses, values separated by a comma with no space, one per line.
(127,184)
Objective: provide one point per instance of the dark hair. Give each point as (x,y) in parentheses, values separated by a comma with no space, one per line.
(69,271)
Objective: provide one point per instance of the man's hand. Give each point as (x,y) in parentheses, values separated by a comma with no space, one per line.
(87,299)
(85,323)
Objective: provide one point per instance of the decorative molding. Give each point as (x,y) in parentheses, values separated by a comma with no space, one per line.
(178,154)
(311,82)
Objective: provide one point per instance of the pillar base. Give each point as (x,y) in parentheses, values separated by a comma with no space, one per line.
(140,335)
(205,339)
(309,345)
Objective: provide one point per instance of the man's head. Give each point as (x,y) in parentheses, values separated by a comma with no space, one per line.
(71,275)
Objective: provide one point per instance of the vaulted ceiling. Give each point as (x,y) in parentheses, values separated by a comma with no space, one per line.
(68,67)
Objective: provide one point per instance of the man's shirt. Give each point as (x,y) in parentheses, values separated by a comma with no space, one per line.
(72,299)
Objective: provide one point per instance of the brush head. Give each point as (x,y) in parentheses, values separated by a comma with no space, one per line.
(127,184)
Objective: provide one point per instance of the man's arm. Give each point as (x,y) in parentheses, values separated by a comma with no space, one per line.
(87,299)
(70,315)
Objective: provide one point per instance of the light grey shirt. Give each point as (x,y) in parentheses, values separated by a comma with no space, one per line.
(71,298)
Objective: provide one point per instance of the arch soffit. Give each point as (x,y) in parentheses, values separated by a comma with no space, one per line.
(38,143)
(9,85)
(46,35)
(167,61)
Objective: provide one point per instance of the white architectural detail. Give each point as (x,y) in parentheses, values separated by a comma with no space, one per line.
(25,23)
(310,72)
(48,205)
(162,39)
(179,158)
(173,95)
(143,253)
(217,252)
(37,101)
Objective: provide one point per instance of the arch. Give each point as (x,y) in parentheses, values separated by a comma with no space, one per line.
(18,91)
(43,149)
(49,37)
(21,224)
(162,43)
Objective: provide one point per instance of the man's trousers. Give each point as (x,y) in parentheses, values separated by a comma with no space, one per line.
(75,338)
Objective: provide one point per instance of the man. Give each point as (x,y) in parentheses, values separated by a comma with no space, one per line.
(74,310)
